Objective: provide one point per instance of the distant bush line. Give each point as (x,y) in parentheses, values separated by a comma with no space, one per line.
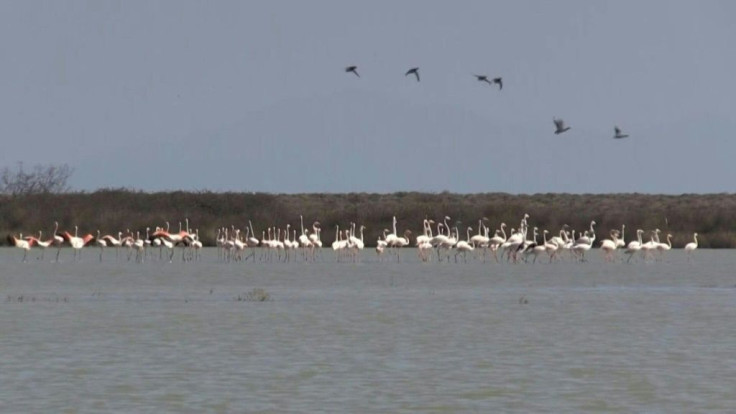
(713,216)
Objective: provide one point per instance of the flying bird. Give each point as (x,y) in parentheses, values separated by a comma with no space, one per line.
(353,69)
(617,133)
(483,78)
(498,81)
(559,126)
(415,71)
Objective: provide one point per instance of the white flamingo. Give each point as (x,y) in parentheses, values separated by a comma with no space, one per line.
(634,246)
(608,246)
(664,247)
(101,243)
(43,244)
(464,246)
(21,243)
(58,240)
(620,242)
(549,247)
(690,247)
(76,242)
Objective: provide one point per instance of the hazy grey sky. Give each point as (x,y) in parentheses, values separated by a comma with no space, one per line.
(252,96)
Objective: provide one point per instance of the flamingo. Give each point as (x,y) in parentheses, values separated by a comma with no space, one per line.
(562,238)
(512,243)
(608,246)
(128,240)
(391,237)
(43,244)
(251,240)
(175,238)
(114,242)
(314,237)
(479,239)
(58,240)
(139,247)
(549,247)
(402,241)
(100,242)
(586,238)
(381,244)
(649,246)
(170,246)
(584,243)
(497,240)
(690,247)
(358,242)
(464,246)
(448,242)
(76,242)
(197,245)
(339,244)
(21,243)
(304,239)
(620,241)
(664,247)
(440,239)
(634,246)
(539,248)
(424,250)
(426,232)
(228,245)
(354,243)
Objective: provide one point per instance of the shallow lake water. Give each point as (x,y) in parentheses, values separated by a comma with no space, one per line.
(119,336)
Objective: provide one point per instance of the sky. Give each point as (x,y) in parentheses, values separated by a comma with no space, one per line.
(253,96)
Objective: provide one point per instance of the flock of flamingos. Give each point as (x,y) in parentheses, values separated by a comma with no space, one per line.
(277,244)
